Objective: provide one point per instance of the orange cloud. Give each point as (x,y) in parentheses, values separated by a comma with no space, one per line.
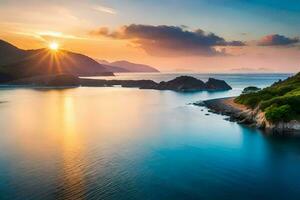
(277,40)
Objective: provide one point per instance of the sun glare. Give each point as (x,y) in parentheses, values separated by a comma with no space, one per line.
(54,46)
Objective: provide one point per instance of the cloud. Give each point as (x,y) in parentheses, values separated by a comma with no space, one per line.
(170,40)
(105,10)
(52,35)
(277,40)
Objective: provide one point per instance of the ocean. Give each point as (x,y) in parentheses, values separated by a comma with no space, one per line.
(126,143)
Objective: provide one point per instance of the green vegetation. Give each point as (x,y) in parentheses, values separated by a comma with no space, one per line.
(250,89)
(278,113)
(280,101)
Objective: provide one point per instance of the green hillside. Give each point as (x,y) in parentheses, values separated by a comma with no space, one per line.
(280,101)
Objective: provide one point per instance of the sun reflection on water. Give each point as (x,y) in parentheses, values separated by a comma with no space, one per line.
(73,183)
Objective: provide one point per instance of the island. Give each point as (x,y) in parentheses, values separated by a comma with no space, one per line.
(179,84)
(275,108)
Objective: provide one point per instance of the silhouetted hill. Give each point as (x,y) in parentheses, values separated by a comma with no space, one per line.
(188,83)
(17,63)
(179,84)
(9,53)
(133,67)
(125,66)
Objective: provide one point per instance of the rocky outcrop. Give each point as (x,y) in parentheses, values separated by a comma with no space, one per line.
(190,84)
(257,118)
(215,84)
(182,83)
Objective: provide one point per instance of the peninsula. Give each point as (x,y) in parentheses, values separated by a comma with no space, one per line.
(274,108)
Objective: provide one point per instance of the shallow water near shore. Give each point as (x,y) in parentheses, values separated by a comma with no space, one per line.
(126,143)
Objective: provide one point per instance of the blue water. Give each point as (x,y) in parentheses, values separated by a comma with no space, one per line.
(126,143)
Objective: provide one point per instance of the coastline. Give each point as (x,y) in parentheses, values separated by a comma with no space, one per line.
(250,117)
(225,105)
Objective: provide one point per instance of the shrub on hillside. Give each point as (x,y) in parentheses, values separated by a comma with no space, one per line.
(281,113)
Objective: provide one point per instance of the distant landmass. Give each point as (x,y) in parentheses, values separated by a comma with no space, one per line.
(126,66)
(179,84)
(17,63)
(251,70)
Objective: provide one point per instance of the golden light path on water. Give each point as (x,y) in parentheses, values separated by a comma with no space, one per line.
(59,123)
(49,128)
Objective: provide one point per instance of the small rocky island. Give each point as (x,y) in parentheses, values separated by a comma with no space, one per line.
(179,84)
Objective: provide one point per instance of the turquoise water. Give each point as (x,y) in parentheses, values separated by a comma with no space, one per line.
(126,143)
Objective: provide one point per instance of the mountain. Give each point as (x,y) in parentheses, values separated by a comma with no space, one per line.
(125,66)
(16,63)
(103,62)
(9,53)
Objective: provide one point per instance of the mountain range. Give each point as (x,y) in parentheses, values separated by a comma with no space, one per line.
(16,63)
(124,66)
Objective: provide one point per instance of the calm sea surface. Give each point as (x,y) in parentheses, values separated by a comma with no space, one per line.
(121,143)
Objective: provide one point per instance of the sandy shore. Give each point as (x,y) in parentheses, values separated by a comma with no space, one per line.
(225,106)
(235,112)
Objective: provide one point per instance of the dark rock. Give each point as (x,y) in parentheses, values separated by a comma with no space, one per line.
(215,84)
(183,84)
(230,119)
(199,103)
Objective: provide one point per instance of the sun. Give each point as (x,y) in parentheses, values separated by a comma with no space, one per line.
(54,46)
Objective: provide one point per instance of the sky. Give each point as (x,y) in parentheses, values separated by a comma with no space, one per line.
(171,35)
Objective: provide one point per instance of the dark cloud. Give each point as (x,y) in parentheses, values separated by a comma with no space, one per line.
(171,40)
(277,40)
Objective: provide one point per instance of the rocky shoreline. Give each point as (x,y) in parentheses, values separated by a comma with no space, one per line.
(251,117)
